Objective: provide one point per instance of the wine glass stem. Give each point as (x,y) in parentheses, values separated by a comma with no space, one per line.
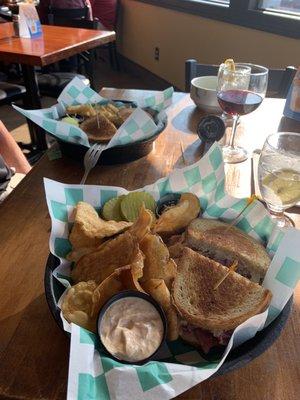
(233,131)
(277,215)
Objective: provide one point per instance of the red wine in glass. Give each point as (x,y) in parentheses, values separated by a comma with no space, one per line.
(239,102)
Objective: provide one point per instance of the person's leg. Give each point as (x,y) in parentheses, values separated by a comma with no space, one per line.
(11,152)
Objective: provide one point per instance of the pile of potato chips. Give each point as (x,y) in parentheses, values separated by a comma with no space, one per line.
(124,251)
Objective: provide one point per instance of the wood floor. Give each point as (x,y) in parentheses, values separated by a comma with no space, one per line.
(104,77)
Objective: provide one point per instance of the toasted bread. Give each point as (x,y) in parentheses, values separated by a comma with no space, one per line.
(222,309)
(98,128)
(211,238)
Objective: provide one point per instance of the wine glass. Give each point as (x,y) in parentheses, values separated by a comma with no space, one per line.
(240,91)
(279,174)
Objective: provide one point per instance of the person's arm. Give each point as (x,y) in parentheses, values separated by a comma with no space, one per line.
(11,152)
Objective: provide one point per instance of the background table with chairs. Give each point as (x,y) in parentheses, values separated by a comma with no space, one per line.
(56,43)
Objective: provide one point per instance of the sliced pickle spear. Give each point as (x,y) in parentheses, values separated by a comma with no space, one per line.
(70,120)
(111,209)
(132,203)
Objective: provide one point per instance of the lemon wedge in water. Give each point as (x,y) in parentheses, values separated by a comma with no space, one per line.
(229,64)
(285,185)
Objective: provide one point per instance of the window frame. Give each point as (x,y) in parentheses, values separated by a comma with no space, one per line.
(239,12)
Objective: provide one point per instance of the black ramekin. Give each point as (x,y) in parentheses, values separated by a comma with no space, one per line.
(132,293)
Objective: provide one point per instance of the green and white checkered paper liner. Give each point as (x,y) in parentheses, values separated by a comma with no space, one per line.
(92,375)
(137,127)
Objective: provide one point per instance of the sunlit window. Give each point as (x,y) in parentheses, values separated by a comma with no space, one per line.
(285,6)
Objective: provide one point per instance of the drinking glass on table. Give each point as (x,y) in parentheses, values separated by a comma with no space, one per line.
(240,91)
(279,174)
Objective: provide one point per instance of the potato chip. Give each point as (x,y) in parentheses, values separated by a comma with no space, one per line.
(121,279)
(110,255)
(112,210)
(153,222)
(89,229)
(85,110)
(75,255)
(176,218)
(132,203)
(109,287)
(142,225)
(157,263)
(157,289)
(77,305)
(137,266)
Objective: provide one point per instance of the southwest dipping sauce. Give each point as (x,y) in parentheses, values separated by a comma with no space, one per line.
(131,329)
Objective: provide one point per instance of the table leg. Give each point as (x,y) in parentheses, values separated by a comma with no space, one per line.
(33,101)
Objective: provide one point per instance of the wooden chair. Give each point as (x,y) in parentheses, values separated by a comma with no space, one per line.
(10,92)
(111,46)
(278,85)
(58,16)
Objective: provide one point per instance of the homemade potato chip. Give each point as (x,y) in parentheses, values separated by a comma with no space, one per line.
(112,285)
(110,255)
(142,225)
(121,279)
(112,210)
(89,229)
(75,255)
(77,305)
(153,222)
(159,291)
(157,263)
(113,253)
(176,218)
(137,266)
(85,110)
(133,202)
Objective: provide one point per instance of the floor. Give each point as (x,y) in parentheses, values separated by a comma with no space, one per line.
(104,77)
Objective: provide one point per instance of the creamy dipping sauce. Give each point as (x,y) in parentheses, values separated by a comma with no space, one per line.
(131,329)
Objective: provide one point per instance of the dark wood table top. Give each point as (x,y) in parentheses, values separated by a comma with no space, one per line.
(34,352)
(57,43)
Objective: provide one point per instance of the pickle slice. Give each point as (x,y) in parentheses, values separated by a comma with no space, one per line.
(70,120)
(132,203)
(111,209)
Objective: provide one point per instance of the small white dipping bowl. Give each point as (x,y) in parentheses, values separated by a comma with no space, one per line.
(204,93)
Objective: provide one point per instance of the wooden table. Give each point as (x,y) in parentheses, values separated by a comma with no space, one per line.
(57,43)
(34,352)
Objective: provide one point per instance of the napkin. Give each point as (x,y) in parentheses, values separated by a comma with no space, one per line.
(137,127)
(94,375)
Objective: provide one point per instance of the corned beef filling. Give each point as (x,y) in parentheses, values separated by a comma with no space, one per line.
(204,338)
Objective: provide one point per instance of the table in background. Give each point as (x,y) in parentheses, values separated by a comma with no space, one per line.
(56,43)
(34,352)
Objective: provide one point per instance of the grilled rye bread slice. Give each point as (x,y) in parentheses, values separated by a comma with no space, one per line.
(221,309)
(211,238)
(98,128)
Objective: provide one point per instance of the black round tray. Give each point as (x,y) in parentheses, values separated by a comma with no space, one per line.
(237,358)
(119,154)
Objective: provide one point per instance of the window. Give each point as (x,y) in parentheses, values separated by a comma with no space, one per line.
(218,1)
(283,6)
(277,16)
